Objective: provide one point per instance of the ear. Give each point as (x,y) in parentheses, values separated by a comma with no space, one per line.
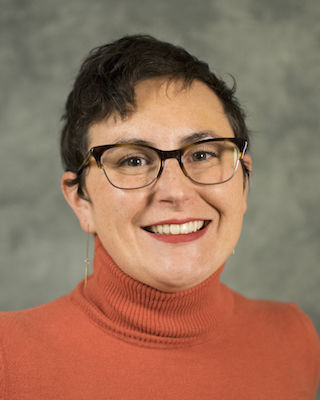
(81,207)
(248,163)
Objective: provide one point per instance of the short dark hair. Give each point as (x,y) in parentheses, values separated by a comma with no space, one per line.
(106,84)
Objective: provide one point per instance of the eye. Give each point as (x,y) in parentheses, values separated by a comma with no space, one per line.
(203,155)
(132,162)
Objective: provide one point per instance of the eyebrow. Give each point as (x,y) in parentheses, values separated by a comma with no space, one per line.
(193,137)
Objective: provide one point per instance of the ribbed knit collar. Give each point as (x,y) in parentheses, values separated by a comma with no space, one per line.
(138,313)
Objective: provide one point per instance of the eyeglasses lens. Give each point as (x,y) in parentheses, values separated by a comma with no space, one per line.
(211,162)
(130,167)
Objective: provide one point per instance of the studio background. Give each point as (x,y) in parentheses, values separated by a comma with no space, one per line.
(272,48)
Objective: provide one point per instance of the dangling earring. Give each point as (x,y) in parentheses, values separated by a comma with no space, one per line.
(87,260)
(233,251)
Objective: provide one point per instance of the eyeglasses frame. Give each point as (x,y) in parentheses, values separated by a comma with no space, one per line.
(97,151)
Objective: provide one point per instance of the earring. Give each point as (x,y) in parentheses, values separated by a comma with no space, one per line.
(233,251)
(87,260)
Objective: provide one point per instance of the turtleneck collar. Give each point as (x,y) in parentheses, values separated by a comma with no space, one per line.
(138,313)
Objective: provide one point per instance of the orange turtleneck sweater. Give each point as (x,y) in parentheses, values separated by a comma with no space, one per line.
(117,338)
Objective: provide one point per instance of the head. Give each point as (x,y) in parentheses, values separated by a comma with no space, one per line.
(142,88)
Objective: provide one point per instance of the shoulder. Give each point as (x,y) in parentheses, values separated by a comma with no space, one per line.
(36,332)
(281,317)
(34,323)
(282,327)
(24,333)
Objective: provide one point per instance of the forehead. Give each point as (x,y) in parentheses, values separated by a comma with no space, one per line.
(165,112)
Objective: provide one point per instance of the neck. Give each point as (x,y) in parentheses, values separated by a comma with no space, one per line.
(137,312)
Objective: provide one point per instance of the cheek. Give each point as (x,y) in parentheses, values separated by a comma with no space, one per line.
(115,210)
(229,199)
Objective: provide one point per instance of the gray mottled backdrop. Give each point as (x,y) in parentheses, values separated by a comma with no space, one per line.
(272,48)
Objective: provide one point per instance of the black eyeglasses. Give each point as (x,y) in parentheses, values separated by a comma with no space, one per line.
(135,166)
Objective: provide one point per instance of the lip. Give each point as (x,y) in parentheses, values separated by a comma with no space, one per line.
(178,238)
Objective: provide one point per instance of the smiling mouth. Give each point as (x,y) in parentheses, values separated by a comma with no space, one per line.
(178,229)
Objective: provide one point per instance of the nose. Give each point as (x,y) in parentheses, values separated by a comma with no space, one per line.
(173,186)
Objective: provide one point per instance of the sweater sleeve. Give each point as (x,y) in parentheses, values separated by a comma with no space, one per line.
(312,344)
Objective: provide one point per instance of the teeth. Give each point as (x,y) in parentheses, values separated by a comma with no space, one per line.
(177,229)
(174,229)
(165,229)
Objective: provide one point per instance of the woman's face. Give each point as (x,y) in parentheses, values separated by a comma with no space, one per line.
(166,116)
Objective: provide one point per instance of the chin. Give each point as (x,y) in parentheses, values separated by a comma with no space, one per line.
(177,281)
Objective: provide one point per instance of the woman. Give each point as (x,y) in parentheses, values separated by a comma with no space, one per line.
(155,151)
